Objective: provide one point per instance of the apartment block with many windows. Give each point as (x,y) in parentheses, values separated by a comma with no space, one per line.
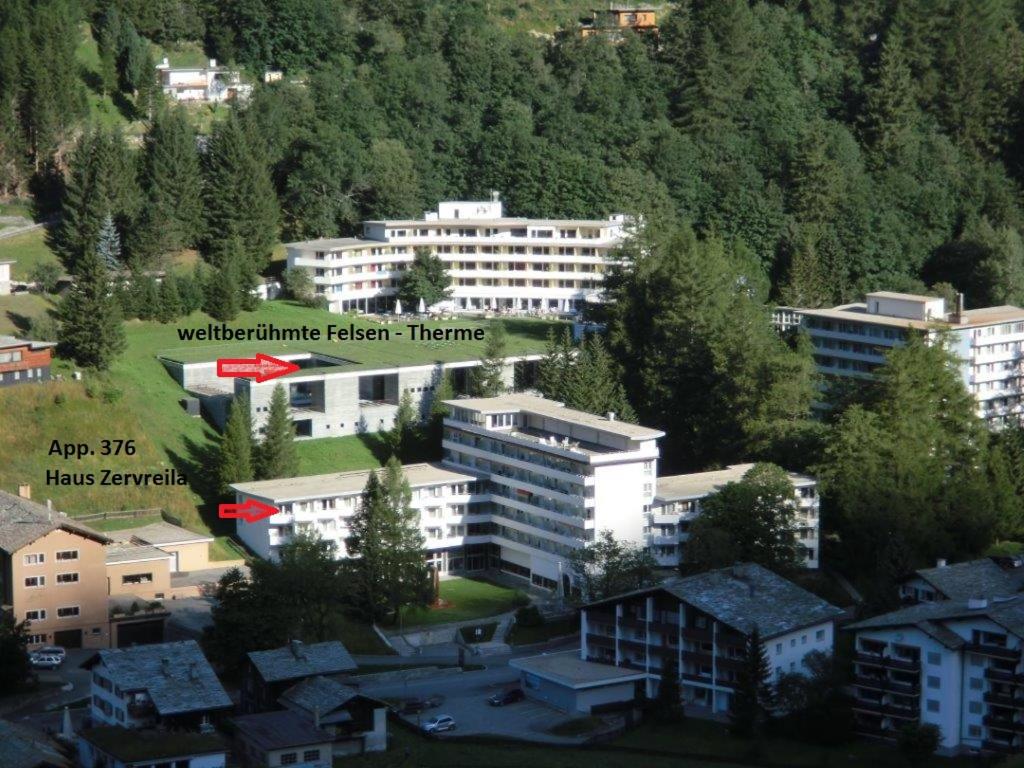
(494,261)
(703,623)
(677,503)
(851,340)
(953,663)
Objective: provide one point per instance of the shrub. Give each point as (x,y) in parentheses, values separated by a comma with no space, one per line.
(60,398)
(112,395)
(529,616)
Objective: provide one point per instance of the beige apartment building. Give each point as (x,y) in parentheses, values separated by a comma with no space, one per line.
(53,574)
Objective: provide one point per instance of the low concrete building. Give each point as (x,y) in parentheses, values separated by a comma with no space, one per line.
(281,740)
(268,674)
(356,723)
(189,551)
(168,684)
(571,684)
(113,746)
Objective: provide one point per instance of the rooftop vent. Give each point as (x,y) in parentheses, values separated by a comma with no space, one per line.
(977,603)
(297,650)
(25,491)
(610,415)
(940,563)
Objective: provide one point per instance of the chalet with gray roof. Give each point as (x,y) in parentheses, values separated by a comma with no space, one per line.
(281,738)
(985,577)
(703,623)
(356,723)
(169,684)
(268,674)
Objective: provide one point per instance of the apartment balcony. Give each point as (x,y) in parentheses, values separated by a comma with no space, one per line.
(600,617)
(1003,723)
(633,622)
(1003,700)
(888,662)
(141,710)
(885,684)
(885,710)
(706,680)
(873,730)
(720,662)
(1003,747)
(635,645)
(602,641)
(700,635)
(995,651)
(1001,676)
(664,628)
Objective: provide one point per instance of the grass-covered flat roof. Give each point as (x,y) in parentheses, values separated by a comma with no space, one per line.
(133,744)
(525,336)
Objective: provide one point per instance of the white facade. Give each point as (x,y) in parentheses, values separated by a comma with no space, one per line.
(210,83)
(524,482)
(953,664)
(677,504)
(5,277)
(851,340)
(495,262)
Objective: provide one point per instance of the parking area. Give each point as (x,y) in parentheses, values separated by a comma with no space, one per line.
(465,699)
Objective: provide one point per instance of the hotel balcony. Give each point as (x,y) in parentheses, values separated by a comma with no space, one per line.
(602,641)
(1003,700)
(1003,723)
(721,662)
(700,635)
(1001,676)
(706,680)
(1003,747)
(876,730)
(141,710)
(889,662)
(600,617)
(632,621)
(995,651)
(885,684)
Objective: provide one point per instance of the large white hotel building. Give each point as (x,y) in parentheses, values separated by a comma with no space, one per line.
(523,482)
(851,340)
(495,262)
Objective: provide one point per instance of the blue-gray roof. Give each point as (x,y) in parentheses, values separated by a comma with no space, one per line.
(297,660)
(22,747)
(318,694)
(1006,612)
(744,596)
(974,578)
(177,676)
(278,730)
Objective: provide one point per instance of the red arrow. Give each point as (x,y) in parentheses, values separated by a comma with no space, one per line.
(250,511)
(262,367)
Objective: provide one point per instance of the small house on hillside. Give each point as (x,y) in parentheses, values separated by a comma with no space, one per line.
(269,674)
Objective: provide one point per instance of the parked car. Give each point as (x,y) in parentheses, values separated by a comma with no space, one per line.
(53,650)
(415,706)
(439,724)
(510,696)
(44,661)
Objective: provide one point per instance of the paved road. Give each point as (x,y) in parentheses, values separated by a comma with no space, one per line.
(465,699)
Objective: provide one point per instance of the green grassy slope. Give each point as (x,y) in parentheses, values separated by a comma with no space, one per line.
(27,251)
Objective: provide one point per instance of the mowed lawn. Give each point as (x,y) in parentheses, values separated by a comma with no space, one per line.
(19,309)
(27,251)
(466,599)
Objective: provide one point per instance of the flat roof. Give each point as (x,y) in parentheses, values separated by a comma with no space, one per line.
(526,336)
(697,484)
(329,243)
(973,318)
(162,533)
(541,406)
(343,483)
(125,552)
(568,669)
(506,221)
(131,745)
(915,297)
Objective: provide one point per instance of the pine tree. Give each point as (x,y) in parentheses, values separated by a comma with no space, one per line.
(405,420)
(91,331)
(277,454)
(444,390)
(108,244)
(147,297)
(235,458)
(554,367)
(488,377)
(222,296)
(14,659)
(752,698)
(170,304)
(890,110)
(669,701)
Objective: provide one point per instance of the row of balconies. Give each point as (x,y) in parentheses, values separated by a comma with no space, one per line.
(886,709)
(889,662)
(906,688)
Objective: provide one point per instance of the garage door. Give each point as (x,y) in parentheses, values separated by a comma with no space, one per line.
(68,638)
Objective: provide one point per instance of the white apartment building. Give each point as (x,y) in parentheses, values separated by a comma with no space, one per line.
(677,503)
(851,340)
(953,663)
(495,262)
(703,623)
(524,481)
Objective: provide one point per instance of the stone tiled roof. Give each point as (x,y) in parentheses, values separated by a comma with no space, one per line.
(744,596)
(177,676)
(23,521)
(278,730)
(297,660)
(319,694)
(1006,612)
(974,578)
(21,747)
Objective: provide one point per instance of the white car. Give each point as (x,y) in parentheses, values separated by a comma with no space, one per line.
(44,661)
(439,724)
(53,650)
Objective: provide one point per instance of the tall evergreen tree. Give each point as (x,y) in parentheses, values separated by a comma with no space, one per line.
(752,698)
(277,454)
(14,660)
(170,306)
(668,704)
(487,379)
(386,539)
(890,111)
(443,390)
(400,435)
(91,331)
(235,457)
(108,244)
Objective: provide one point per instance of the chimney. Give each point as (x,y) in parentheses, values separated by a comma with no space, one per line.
(25,491)
(316,716)
(213,63)
(958,317)
(296,648)
(940,563)
(495,196)
(610,415)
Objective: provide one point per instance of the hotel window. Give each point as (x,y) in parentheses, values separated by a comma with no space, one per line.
(35,558)
(137,578)
(311,754)
(974,707)
(68,554)
(933,705)
(974,731)
(36,615)
(35,581)
(289,758)
(67,612)
(67,578)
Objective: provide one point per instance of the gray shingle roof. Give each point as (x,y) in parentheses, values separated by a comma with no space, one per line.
(297,660)
(123,552)
(23,521)
(744,596)
(1007,612)
(278,730)
(159,533)
(177,676)
(983,577)
(21,747)
(320,694)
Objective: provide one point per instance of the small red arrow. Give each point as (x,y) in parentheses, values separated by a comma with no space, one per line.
(262,367)
(250,511)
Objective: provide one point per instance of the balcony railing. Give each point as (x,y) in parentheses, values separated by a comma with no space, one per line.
(996,651)
(885,684)
(889,662)
(1004,747)
(601,640)
(1003,723)
(1003,700)
(1002,676)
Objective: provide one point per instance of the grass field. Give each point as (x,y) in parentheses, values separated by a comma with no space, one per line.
(547,631)
(26,251)
(466,599)
(115,524)
(18,310)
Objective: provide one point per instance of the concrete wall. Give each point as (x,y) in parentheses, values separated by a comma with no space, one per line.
(160,570)
(570,700)
(191,556)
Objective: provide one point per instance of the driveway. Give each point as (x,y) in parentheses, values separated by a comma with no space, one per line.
(465,699)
